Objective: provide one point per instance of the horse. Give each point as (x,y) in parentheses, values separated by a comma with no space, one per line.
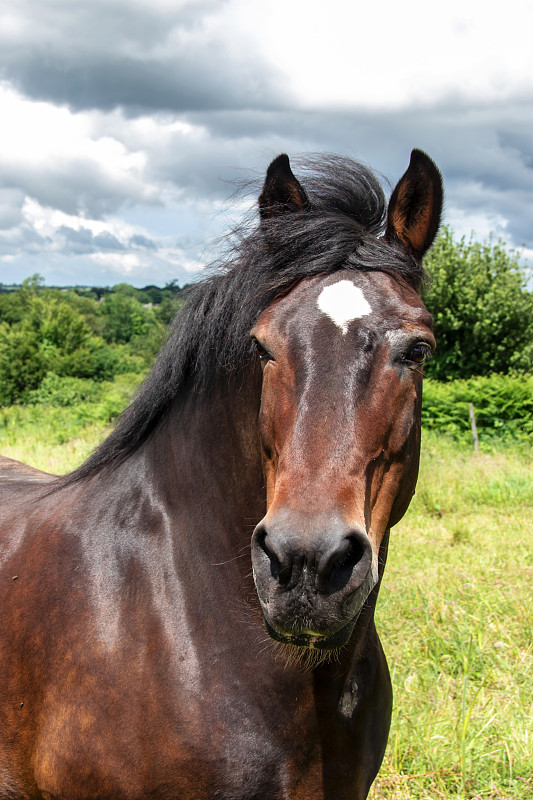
(190,613)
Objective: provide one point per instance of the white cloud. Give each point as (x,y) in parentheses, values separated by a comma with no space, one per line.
(47,221)
(390,54)
(62,160)
(480,224)
(124,263)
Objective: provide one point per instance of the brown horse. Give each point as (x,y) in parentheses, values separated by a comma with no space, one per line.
(285,407)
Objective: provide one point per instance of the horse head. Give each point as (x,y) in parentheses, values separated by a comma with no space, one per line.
(342,358)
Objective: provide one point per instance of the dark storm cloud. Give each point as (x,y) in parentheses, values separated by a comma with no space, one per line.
(485,152)
(73,183)
(21,241)
(189,81)
(140,58)
(142,242)
(76,241)
(82,240)
(106,241)
(11,201)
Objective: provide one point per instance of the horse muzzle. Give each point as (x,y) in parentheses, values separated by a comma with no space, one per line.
(312,578)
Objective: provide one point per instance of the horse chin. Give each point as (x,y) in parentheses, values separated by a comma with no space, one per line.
(313,641)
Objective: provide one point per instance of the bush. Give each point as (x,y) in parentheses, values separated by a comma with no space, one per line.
(503,406)
(95,360)
(52,331)
(58,324)
(482,310)
(57,391)
(125,318)
(22,362)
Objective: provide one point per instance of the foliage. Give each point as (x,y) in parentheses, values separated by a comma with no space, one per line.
(64,420)
(11,307)
(503,406)
(482,310)
(63,392)
(22,362)
(57,324)
(125,318)
(78,334)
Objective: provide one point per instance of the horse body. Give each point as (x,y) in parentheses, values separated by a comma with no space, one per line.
(117,567)
(134,657)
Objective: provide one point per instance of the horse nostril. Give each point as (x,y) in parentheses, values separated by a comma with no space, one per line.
(350,561)
(275,565)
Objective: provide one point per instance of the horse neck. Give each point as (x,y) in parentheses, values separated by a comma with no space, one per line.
(206,464)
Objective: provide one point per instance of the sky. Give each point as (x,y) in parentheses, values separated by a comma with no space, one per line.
(126,123)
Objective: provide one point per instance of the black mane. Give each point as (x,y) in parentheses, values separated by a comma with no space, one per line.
(210,334)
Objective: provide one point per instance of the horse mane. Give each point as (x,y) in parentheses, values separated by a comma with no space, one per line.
(341,229)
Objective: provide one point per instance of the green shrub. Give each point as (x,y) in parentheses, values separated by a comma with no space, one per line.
(481,306)
(125,318)
(95,360)
(64,391)
(22,362)
(58,324)
(503,405)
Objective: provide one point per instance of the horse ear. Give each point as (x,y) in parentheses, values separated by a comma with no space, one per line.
(282,192)
(415,206)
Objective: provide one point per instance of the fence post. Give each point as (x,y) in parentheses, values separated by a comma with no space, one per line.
(473,426)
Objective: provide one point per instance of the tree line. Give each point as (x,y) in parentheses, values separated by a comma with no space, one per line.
(477,293)
(80,333)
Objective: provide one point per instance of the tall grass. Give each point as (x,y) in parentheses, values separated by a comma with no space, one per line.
(68,420)
(456,619)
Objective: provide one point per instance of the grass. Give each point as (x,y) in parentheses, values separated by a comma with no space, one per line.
(455,617)
(455,612)
(58,438)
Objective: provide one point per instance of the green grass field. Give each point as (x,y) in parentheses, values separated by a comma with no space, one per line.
(456,620)
(455,612)
(56,438)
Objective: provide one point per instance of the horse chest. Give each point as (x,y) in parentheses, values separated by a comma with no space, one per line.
(122,719)
(221,750)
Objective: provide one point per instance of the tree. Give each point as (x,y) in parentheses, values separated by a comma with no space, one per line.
(57,332)
(172,286)
(58,324)
(32,284)
(22,362)
(125,318)
(482,310)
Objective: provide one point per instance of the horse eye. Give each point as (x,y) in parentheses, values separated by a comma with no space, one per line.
(264,355)
(420,353)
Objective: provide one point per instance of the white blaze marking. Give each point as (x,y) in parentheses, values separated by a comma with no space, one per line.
(343,302)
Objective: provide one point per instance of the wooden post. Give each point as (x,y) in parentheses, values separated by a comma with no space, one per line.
(473,426)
